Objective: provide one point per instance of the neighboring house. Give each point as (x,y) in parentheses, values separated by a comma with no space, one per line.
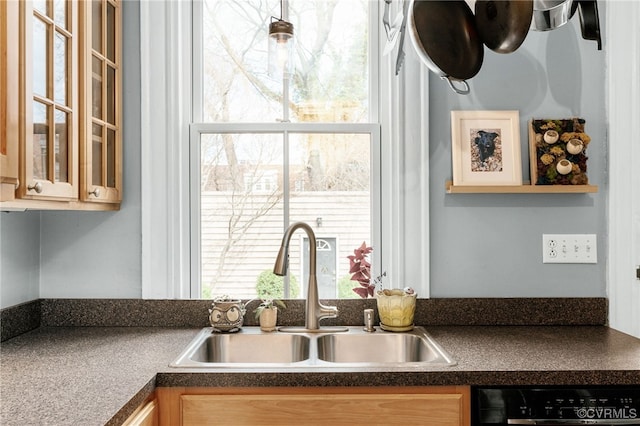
(250,243)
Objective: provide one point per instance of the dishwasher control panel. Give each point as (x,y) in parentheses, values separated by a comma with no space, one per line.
(557,405)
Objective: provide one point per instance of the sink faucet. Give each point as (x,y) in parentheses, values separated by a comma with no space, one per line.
(315,311)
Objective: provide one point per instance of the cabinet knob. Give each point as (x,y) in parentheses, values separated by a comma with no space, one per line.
(35,187)
(95,192)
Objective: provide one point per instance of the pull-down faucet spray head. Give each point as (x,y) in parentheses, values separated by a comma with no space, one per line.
(282,261)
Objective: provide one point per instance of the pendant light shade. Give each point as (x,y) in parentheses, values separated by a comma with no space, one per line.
(280,47)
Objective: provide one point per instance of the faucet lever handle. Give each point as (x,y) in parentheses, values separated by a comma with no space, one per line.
(327,312)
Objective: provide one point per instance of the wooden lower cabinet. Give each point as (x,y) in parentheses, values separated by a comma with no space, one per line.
(145,415)
(433,406)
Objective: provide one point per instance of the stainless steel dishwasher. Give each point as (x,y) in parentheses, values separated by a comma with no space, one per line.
(559,406)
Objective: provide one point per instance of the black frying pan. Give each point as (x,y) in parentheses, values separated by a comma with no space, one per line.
(590,21)
(503,24)
(445,37)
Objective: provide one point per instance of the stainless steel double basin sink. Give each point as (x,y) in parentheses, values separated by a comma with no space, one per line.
(252,348)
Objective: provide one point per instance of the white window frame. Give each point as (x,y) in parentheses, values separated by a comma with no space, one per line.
(166,79)
(622,41)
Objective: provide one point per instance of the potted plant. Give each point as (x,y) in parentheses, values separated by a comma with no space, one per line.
(360,267)
(267,313)
(396,307)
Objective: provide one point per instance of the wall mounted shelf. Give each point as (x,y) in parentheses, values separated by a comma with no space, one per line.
(519,189)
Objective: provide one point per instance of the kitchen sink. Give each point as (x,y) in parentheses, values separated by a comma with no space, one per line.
(355,348)
(378,348)
(249,346)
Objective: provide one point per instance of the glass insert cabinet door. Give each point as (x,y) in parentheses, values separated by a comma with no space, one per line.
(49,35)
(70,81)
(101,168)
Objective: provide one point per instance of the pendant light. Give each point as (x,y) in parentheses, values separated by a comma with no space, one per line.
(281,44)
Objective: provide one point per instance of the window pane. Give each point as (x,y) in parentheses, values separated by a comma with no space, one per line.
(111,158)
(330,177)
(96,25)
(241,211)
(111,95)
(40,135)
(111,32)
(60,68)
(96,155)
(40,6)
(96,85)
(39,57)
(235,62)
(331,80)
(332,74)
(61,143)
(60,13)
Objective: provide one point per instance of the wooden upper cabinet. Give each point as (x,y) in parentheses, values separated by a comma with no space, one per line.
(49,111)
(9,99)
(101,167)
(64,60)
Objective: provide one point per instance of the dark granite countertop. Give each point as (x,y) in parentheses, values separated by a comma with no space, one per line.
(99,375)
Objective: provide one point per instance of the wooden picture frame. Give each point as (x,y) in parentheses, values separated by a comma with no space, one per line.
(558,151)
(486,148)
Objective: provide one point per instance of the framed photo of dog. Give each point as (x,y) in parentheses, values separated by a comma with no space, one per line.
(486,148)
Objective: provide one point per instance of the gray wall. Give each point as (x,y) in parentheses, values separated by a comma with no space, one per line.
(481,245)
(19,257)
(491,245)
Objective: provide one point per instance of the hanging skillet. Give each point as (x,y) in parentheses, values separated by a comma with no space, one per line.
(503,24)
(445,37)
(590,21)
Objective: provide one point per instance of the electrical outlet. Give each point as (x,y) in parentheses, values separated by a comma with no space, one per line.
(569,248)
